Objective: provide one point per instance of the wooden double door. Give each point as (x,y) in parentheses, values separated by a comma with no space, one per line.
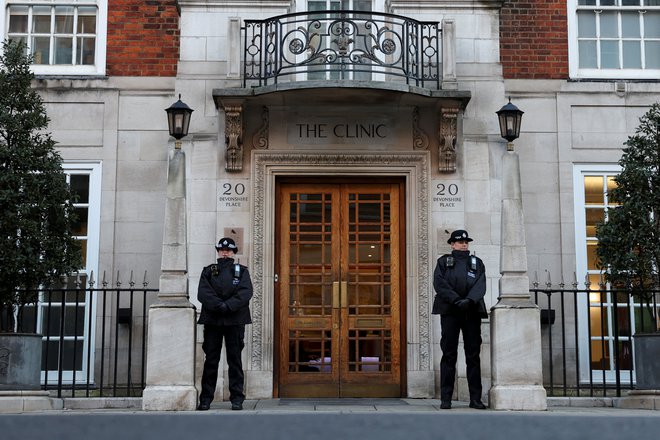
(339,289)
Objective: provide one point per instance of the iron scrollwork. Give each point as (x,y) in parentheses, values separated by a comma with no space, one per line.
(341,45)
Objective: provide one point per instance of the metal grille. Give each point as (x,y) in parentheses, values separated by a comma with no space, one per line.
(341,45)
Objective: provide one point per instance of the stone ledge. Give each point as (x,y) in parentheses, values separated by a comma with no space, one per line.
(640,399)
(27,401)
(581,402)
(103,403)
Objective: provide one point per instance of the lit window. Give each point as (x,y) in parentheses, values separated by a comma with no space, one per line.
(64,37)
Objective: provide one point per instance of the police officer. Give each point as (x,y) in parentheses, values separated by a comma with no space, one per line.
(224,290)
(459,280)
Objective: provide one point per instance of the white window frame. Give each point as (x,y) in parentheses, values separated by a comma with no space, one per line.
(609,376)
(573,53)
(98,69)
(93,170)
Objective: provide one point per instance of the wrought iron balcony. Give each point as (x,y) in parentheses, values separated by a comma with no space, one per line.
(342,45)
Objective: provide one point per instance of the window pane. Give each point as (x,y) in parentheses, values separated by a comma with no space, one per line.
(652,24)
(63,50)
(611,184)
(80,228)
(363,5)
(592,255)
(86,49)
(86,20)
(315,5)
(609,54)
(64,19)
(608,25)
(79,184)
(587,51)
(18,19)
(630,25)
(653,54)
(83,248)
(21,39)
(587,2)
(41,50)
(593,217)
(607,2)
(586,24)
(630,2)
(632,55)
(41,19)
(593,190)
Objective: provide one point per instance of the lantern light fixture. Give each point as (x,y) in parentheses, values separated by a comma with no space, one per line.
(178,120)
(510,118)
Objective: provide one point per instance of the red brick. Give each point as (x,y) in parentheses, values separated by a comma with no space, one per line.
(143,38)
(534,39)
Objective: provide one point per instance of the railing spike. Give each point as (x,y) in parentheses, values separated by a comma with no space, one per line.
(104,283)
(145,283)
(118,281)
(91,279)
(575,281)
(561,282)
(587,282)
(549,282)
(535,283)
(130,281)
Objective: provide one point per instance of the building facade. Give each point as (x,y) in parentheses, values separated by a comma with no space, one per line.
(339,149)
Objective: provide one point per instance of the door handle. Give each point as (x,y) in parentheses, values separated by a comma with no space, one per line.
(335,294)
(344,294)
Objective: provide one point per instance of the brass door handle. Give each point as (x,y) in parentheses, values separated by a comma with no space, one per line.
(335,295)
(339,294)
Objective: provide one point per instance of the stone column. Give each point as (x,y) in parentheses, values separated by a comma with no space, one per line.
(171,338)
(515,325)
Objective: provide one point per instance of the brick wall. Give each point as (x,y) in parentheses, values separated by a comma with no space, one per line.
(143,38)
(534,39)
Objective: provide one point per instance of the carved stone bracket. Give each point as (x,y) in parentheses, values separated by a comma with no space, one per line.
(260,139)
(447,134)
(420,139)
(233,137)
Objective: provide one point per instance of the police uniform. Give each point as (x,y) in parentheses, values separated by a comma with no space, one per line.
(224,290)
(459,280)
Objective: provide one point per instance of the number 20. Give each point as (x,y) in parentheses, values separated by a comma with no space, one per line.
(452,189)
(238,189)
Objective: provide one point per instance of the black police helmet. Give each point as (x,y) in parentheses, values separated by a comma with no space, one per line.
(459,235)
(227,243)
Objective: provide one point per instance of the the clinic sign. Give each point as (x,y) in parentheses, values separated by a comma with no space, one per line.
(348,129)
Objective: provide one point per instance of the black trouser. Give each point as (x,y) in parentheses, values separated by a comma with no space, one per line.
(212,346)
(470,325)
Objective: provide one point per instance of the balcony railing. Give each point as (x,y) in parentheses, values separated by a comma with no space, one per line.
(342,45)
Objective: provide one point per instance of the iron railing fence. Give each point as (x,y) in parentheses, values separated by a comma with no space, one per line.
(587,336)
(94,337)
(352,45)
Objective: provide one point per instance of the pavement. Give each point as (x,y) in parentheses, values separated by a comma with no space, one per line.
(325,419)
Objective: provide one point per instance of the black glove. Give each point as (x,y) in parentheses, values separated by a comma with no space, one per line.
(223,308)
(463,304)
